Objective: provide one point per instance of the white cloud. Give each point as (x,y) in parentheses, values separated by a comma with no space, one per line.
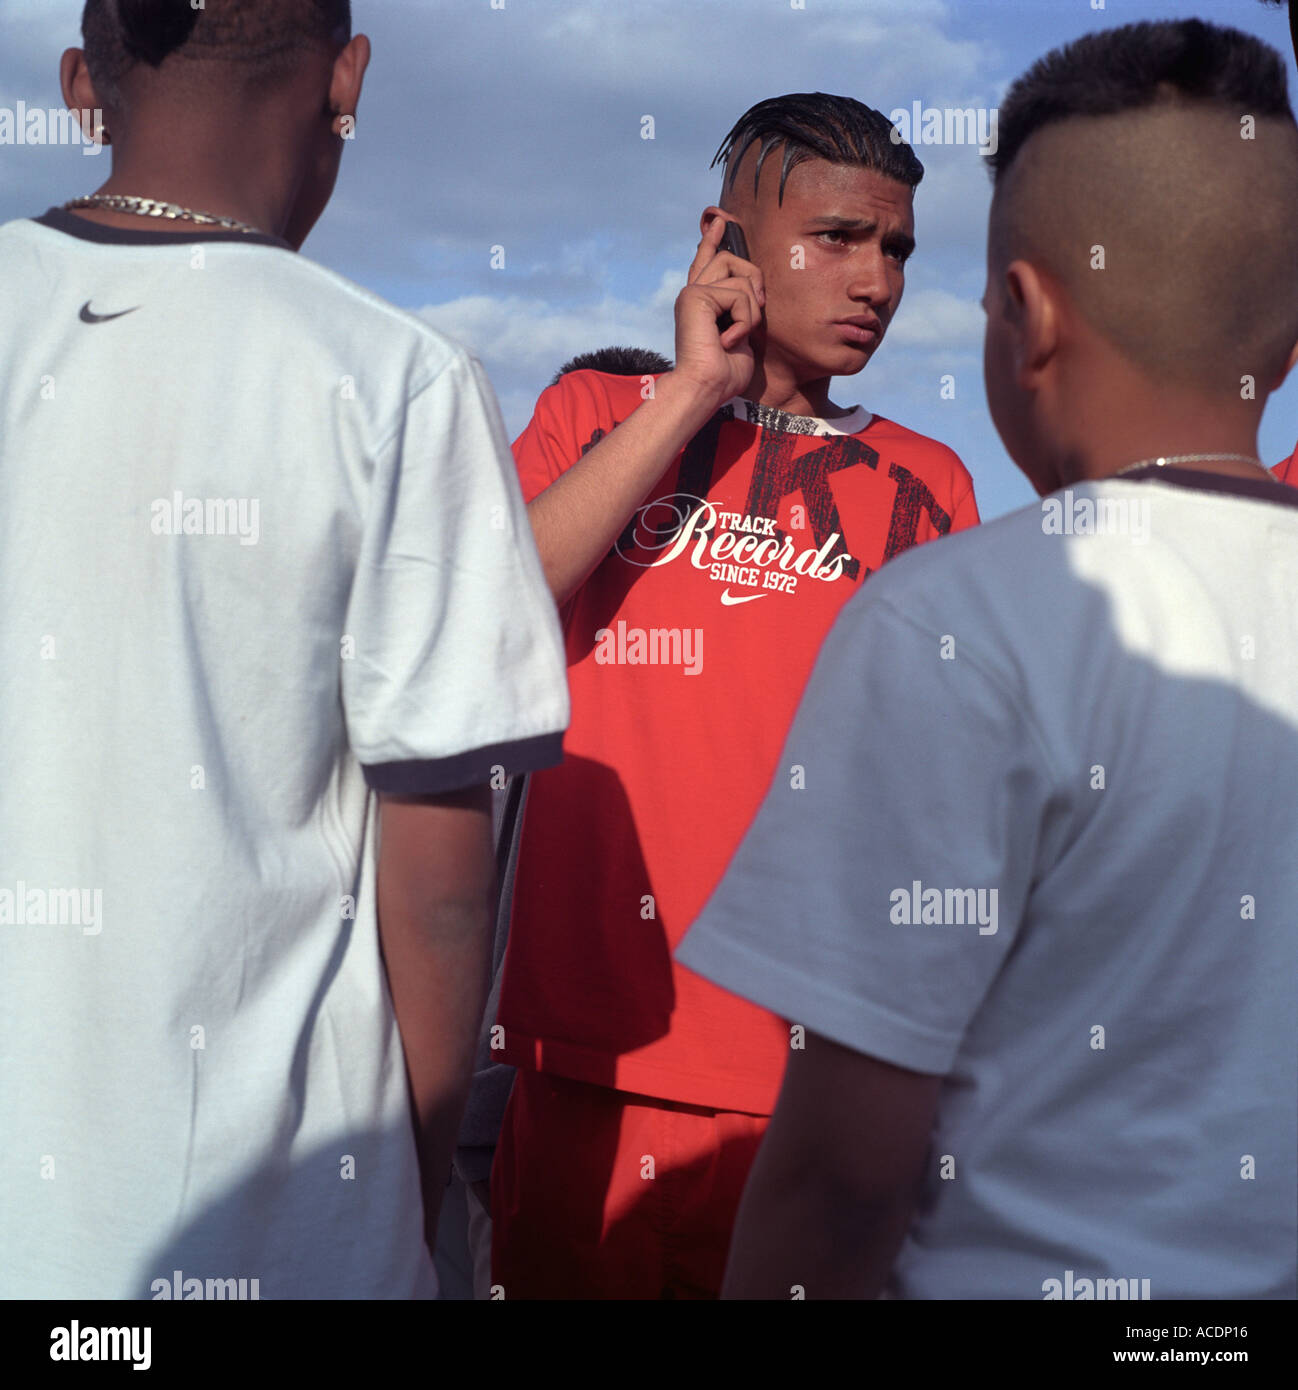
(531,336)
(932,318)
(524,341)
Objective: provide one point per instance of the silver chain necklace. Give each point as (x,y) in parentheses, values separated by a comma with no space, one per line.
(152,207)
(1166,461)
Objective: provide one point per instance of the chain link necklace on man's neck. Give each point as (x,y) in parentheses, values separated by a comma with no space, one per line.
(1165,461)
(152,207)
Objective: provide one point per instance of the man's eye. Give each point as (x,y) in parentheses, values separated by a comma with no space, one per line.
(841,234)
(900,255)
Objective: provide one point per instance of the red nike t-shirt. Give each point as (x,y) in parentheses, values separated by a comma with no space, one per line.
(688,650)
(1287,471)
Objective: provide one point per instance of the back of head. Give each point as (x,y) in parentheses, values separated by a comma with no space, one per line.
(815,125)
(228,43)
(616,361)
(1152,170)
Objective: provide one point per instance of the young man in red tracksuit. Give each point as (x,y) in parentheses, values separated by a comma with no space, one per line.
(700,530)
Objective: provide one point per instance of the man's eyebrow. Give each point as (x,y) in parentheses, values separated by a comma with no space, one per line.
(848,224)
(861,224)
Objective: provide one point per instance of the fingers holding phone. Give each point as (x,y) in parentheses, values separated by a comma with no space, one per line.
(722,254)
(734,244)
(718,309)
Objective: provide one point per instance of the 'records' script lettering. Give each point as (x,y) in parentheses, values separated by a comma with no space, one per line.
(746,550)
(747,555)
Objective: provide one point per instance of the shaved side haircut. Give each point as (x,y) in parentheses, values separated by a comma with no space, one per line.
(1152,170)
(253,40)
(816,125)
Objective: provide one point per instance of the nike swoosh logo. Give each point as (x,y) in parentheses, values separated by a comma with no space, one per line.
(88,317)
(730,599)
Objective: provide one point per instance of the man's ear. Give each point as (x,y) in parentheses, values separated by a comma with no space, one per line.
(348,79)
(708,215)
(1034,317)
(79,91)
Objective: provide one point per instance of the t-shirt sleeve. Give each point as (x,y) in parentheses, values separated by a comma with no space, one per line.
(965,512)
(1287,471)
(885,878)
(955,490)
(570,418)
(453,661)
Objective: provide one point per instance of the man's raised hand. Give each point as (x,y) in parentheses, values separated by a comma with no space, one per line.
(720,362)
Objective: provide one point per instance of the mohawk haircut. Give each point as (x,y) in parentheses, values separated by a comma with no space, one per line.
(816,125)
(1171,148)
(1141,66)
(616,361)
(262,37)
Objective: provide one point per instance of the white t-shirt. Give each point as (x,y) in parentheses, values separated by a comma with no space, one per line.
(1103,729)
(262,551)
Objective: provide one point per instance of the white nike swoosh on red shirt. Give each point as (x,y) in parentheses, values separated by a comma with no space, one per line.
(730,599)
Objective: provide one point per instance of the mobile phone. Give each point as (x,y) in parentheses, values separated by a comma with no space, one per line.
(732,240)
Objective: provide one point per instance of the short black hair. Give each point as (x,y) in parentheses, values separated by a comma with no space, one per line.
(263,36)
(816,125)
(1138,66)
(617,361)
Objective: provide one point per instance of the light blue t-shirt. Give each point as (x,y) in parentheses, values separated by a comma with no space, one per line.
(1044,842)
(262,552)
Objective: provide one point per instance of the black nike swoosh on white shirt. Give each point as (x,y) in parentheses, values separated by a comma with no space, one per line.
(87,316)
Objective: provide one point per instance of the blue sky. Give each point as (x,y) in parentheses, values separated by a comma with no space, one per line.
(521,128)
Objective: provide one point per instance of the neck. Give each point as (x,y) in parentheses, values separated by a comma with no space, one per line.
(1140,421)
(204,176)
(774,386)
(1233,452)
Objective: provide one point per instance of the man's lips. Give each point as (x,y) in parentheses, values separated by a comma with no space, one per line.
(861,329)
